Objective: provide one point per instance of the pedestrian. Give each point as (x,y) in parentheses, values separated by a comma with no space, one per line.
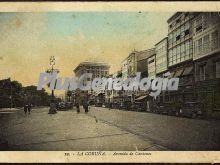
(110,106)
(77,107)
(29,108)
(25,108)
(86,106)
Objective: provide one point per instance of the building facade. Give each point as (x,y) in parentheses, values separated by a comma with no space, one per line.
(161,50)
(124,69)
(116,96)
(180,47)
(132,64)
(206,41)
(98,69)
(180,55)
(142,61)
(152,67)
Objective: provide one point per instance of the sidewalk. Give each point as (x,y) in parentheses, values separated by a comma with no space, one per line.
(68,130)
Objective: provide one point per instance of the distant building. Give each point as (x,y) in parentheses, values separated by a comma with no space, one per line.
(124,69)
(152,67)
(137,61)
(161,49)
(114,95)
(98,69)
(132,64)
(142,61)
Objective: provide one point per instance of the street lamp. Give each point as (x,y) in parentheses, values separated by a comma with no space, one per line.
(52,109)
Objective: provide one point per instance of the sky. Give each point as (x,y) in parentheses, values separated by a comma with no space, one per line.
(27,40)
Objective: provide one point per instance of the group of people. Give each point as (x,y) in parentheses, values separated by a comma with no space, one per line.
(85,106)
(27,108)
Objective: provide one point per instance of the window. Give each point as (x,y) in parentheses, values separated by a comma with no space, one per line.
(170,36)
(206,43)
(178,38)
(182,28)
(198,24)
(187,48)
(215,39)
(182,31)
(174,51)
(199,29)
(174,36)
(182,51)
(170,53)
(178,32)
(170,26)
(178,51)
(178,21)
(151,61)
(199,45)
(187,32)
(187,25)
(205,21)
(202,72)
(217,69)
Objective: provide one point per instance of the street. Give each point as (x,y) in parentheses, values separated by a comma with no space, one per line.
(104,129)
(175,133)
(64,131)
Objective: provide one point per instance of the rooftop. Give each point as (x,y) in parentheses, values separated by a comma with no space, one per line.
(173,16)
(91,64)
(161,41)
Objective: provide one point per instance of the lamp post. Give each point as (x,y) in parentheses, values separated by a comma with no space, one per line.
(52,109)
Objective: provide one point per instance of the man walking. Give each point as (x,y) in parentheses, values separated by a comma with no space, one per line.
(29,108)
(77,107)
(86,106)
(25,108)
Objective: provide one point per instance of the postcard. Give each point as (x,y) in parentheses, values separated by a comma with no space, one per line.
(110,82)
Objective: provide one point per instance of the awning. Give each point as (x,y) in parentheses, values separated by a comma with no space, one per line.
(188,71)
(141,97)
(171,74)
(178,73)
